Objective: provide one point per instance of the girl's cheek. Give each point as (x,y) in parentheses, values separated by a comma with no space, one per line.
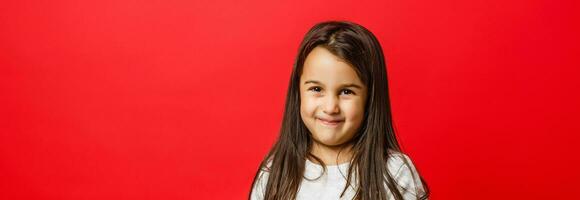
(353,110)
(308,104)
(313,105)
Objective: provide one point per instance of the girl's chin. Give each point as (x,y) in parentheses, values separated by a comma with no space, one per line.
(328,141)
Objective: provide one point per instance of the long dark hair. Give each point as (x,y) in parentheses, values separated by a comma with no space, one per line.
(375,139)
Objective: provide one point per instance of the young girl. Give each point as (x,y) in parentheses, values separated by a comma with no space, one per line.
(337,139)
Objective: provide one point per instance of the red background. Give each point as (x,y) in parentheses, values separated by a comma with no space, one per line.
(181,99)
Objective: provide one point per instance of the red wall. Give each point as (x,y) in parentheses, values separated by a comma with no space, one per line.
(181,99)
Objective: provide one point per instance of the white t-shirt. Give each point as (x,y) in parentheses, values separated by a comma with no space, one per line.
(332,183)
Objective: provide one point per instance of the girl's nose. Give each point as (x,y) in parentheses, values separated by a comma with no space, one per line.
(331,105)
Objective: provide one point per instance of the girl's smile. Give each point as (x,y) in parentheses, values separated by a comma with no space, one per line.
(330,123)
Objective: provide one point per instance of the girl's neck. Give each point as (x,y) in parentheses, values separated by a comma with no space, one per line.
(332,155)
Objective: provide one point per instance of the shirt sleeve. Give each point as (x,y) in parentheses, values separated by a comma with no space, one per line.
(407,178)
(259,188)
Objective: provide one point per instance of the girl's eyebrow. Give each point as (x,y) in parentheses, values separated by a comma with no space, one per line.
(312,82)
(343,85)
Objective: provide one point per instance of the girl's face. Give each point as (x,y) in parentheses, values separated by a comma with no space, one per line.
(332,98)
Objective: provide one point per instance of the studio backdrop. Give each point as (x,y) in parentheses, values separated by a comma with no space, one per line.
(120,99)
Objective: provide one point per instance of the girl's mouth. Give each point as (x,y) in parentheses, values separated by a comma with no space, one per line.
(331,123)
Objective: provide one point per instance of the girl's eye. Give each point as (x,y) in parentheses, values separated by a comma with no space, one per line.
(347,92)
(315,89)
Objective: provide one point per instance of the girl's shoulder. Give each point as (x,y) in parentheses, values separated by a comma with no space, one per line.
(396,161)
(264,172)
(403,171)
(259,186)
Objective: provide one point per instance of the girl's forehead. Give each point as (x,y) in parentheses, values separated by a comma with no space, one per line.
(324,67)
